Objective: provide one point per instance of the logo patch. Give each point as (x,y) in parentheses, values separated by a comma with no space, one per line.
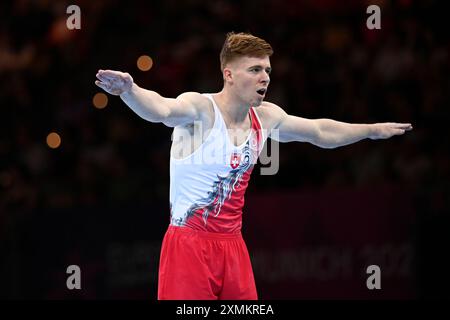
(235,160)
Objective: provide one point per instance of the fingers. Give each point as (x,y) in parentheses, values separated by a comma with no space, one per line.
(105,76)
(110,74)
(102,85)
(398,132)
(389,129)
(403,126)
(113,82)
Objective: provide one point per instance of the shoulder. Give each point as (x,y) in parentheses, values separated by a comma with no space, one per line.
(196,99)
(200,102)
(270,114)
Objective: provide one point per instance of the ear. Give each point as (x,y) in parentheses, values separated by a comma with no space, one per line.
(227,75)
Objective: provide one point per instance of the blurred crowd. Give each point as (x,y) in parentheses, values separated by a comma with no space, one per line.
(326,64)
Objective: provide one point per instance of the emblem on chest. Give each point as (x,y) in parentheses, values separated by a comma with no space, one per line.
(235,160)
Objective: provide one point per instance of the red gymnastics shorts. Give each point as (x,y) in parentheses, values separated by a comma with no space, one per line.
(199,265)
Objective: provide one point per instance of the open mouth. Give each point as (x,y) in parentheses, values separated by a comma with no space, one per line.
(261,92)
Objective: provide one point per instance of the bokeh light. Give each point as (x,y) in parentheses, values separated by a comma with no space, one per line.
(144,63)
(100,100)
(53,140)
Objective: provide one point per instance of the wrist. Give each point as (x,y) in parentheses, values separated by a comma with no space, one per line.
(129,91)
(372,131)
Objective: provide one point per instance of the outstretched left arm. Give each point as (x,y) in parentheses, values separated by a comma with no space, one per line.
(333,134)
(327,133)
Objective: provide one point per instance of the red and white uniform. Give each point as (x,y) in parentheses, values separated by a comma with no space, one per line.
(207,187)
(203,254)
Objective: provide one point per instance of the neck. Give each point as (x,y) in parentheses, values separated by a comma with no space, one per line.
(232,106)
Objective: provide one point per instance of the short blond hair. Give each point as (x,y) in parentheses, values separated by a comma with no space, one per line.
(243,44)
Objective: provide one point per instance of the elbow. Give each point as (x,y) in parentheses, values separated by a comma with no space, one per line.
(157,117)
(152,118)
(330,146)
(325,141)
(326,145)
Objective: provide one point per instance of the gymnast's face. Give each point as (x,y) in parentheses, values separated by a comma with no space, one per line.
(248,78)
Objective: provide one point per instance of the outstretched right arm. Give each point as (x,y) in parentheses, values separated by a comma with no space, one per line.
(149,105)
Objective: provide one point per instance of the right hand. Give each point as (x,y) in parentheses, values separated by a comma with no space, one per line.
(114,82)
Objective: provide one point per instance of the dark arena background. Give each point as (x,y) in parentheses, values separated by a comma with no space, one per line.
(84,181)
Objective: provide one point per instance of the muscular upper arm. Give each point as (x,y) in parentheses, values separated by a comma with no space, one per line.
(285,128)
(184,109)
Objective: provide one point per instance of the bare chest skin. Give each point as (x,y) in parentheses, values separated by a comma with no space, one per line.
(238,132)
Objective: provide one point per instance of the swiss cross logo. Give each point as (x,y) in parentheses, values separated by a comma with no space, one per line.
(235,160)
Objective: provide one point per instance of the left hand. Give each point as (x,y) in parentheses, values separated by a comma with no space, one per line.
(388,129)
